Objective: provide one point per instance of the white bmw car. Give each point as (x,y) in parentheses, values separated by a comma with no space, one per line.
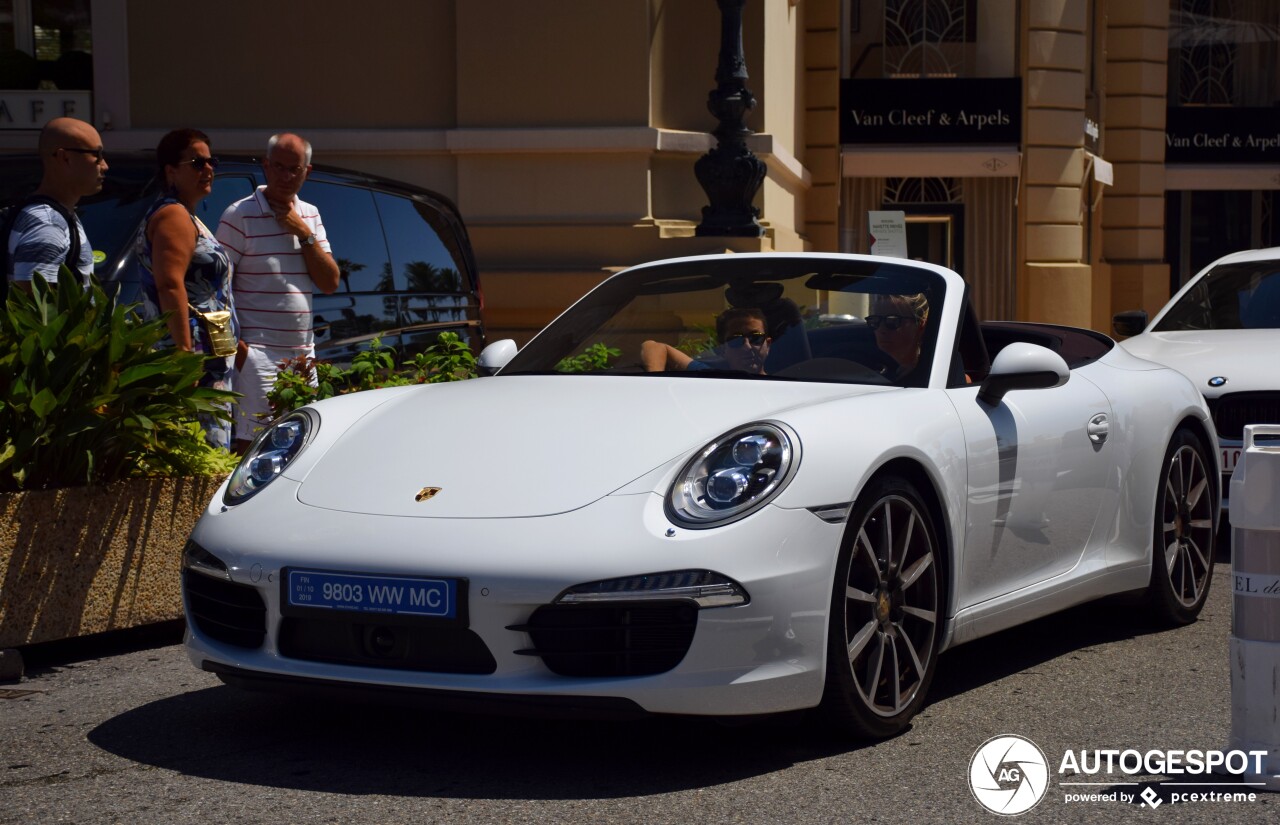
(723,485)
(1219,330)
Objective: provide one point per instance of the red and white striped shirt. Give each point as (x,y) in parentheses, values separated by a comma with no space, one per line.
(271,287)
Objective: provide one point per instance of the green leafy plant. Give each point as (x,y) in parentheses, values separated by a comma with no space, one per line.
(593,358)
(704,340)
(86,397)
(448,359)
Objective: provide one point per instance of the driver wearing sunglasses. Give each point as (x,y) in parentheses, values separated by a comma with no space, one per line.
(898,322)
(744,346)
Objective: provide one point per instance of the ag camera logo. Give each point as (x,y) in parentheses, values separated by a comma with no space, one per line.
(1008,775)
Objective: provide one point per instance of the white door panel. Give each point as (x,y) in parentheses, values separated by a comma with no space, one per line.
(1036,484)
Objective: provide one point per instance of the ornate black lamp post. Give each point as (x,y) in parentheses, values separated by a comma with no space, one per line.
(730,173)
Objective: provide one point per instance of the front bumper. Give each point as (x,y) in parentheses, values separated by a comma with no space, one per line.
(761,657)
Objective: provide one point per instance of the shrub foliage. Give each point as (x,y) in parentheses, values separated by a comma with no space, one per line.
(86,398)
(448,359)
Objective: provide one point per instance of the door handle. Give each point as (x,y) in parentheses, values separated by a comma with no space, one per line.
(1098,428)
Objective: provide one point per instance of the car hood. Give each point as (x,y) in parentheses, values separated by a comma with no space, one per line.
(1242,356)
(520,446)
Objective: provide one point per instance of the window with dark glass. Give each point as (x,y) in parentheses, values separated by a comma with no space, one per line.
(1224,53)
(355,234)
(46,44)
(931,38)
(419,257)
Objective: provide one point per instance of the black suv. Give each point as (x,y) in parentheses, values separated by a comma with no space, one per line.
(408,272)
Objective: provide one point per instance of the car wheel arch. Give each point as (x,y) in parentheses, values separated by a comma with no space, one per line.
(1198,428)
(928,486)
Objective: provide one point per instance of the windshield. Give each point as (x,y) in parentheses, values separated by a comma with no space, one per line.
(767,317)
(1231,296)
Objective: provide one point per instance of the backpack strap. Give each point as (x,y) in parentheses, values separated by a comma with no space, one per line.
(73,252)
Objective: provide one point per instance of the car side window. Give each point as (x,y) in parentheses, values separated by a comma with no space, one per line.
(227,189)
(419,257)
(355,235)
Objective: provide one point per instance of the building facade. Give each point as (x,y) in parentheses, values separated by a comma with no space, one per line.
(1071,158)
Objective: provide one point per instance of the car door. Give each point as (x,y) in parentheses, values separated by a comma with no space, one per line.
(1038,468)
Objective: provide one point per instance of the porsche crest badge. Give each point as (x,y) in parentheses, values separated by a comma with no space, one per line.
(426,493)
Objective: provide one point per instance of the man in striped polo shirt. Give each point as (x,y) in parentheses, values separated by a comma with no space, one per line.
(280,252)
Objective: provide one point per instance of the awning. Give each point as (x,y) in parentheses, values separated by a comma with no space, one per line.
(930,161)
(1222,176)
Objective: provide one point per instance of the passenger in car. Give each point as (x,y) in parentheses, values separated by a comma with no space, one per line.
(899,323)
(744,345)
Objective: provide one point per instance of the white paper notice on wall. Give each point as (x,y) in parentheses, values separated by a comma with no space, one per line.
(888,233)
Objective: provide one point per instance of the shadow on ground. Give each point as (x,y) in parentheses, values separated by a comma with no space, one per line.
(378,749)
(363,748)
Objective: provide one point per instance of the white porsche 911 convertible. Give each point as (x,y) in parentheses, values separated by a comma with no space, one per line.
(723,485)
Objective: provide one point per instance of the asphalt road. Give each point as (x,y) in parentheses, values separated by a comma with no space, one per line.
(141,736)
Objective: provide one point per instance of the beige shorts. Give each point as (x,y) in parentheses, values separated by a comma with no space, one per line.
(254,380)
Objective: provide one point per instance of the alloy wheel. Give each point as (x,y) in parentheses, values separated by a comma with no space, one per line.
(1186,528)
(891,606)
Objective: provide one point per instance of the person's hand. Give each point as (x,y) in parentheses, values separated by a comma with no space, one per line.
(288,217)
(242,352)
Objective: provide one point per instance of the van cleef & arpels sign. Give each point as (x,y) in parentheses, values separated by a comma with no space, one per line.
(1222,134)
(970,110)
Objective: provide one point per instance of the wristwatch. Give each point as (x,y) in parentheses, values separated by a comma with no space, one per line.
(310,240)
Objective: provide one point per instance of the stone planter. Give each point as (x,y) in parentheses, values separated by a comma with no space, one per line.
(85,560)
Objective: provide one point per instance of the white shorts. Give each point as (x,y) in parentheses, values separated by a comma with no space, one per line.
(254,380)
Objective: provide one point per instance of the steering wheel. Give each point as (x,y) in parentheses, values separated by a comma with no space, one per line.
(879,361)
(833,369)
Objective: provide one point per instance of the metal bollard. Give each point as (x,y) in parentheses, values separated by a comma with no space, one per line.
(1255,609)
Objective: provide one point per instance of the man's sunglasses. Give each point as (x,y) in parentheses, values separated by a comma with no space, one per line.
(98,154)
(755,339)
(199,164)
(891,322)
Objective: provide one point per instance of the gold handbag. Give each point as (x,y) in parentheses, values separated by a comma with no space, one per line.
(217,327)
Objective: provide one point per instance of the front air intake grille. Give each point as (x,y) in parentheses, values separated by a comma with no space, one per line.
(611,640)
(225,611)
(368,642)
(1232,412)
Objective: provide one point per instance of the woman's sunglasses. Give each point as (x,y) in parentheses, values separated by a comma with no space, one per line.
(891,322)
(755,339)
(199,164)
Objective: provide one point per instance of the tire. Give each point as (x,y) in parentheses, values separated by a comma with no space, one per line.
(1183,535)
(886,609)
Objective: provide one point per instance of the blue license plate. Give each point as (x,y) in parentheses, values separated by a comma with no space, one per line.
(358,593)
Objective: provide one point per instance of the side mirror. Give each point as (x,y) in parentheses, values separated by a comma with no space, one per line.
(1130,323)
(1023,366)
(495,356)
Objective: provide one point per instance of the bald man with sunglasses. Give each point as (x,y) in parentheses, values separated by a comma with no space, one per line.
(46,231)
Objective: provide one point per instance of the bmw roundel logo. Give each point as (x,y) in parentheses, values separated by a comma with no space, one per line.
(1217,380)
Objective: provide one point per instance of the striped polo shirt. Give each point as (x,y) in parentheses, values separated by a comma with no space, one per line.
(271,287)
(40,241)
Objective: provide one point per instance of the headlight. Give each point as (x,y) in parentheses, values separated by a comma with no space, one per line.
(271,452)
(733,475)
